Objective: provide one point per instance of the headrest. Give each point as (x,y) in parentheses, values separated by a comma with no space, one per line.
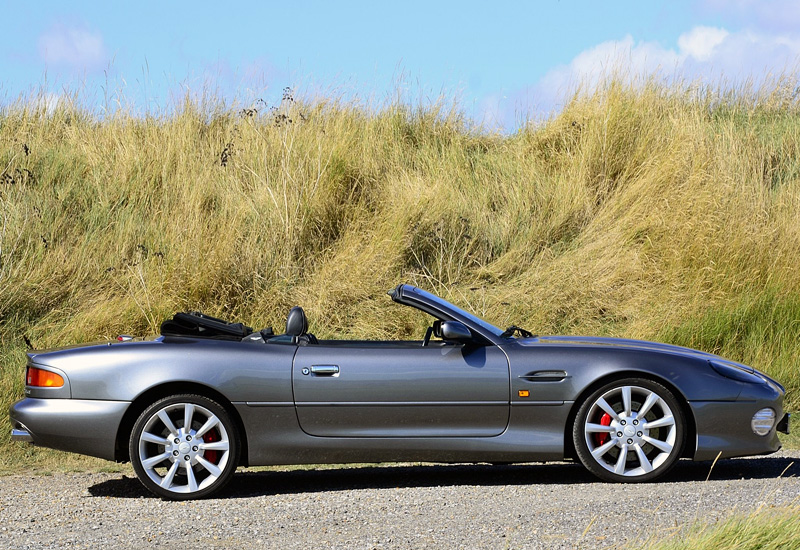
(296,323)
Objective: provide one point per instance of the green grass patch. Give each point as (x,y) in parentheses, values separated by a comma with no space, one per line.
(773,528)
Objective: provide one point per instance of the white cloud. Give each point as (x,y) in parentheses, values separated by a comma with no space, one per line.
(73,46)
(700,42)
(704,54)
(620,58)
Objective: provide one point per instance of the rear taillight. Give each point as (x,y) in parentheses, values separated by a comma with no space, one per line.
(43,378)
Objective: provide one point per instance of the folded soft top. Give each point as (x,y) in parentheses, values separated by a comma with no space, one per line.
(199,325)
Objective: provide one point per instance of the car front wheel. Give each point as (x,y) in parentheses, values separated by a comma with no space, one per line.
(184,447)
(629,431)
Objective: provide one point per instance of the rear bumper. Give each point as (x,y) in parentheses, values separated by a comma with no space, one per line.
(81,426)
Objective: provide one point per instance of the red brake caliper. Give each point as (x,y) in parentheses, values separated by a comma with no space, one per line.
(601,438)
(209,437)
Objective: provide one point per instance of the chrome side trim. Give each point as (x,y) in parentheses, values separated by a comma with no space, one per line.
(18,434)
(400,403)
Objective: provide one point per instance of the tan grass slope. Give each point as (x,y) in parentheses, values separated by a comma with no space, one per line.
(659,212)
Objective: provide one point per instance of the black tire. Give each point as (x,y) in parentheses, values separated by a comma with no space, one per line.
(160,432)
(622,447)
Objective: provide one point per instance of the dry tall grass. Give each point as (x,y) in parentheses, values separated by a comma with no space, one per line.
(648,211)
(773,528)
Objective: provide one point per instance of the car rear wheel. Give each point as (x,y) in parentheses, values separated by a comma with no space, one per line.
(629,431)
(184,447)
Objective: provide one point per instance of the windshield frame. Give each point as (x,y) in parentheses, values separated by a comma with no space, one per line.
(442,309)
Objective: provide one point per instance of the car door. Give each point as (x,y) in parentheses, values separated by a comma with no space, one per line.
(385,389)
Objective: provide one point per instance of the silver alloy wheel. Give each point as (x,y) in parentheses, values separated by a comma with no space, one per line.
(631,431)
(184,448)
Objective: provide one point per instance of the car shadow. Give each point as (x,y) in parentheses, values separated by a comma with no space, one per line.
(265,483)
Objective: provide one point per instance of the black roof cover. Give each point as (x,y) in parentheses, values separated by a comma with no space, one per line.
(198,325)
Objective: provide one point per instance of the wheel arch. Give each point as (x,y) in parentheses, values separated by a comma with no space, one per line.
(161,391)
(690,440)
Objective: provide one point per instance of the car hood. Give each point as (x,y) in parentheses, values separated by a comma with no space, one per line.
(614,342)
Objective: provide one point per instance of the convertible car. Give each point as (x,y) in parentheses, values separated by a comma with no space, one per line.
(189,406)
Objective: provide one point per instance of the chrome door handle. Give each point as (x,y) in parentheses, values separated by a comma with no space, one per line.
(325,370)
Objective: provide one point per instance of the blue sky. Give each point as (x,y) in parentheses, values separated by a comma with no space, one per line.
(502,60)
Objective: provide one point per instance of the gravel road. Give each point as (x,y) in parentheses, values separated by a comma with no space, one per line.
(555,505)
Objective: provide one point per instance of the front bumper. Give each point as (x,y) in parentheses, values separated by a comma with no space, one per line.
(82,426)
(723,429)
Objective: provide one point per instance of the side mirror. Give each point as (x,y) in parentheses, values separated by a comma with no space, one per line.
(455,331)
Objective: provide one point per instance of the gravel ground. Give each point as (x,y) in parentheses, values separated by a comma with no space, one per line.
(557,505)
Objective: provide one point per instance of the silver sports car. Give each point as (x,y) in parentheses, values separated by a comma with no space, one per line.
(206,396)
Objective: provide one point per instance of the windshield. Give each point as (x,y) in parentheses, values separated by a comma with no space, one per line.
(444,304)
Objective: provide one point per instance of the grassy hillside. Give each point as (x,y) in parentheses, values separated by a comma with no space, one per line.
(651,212)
